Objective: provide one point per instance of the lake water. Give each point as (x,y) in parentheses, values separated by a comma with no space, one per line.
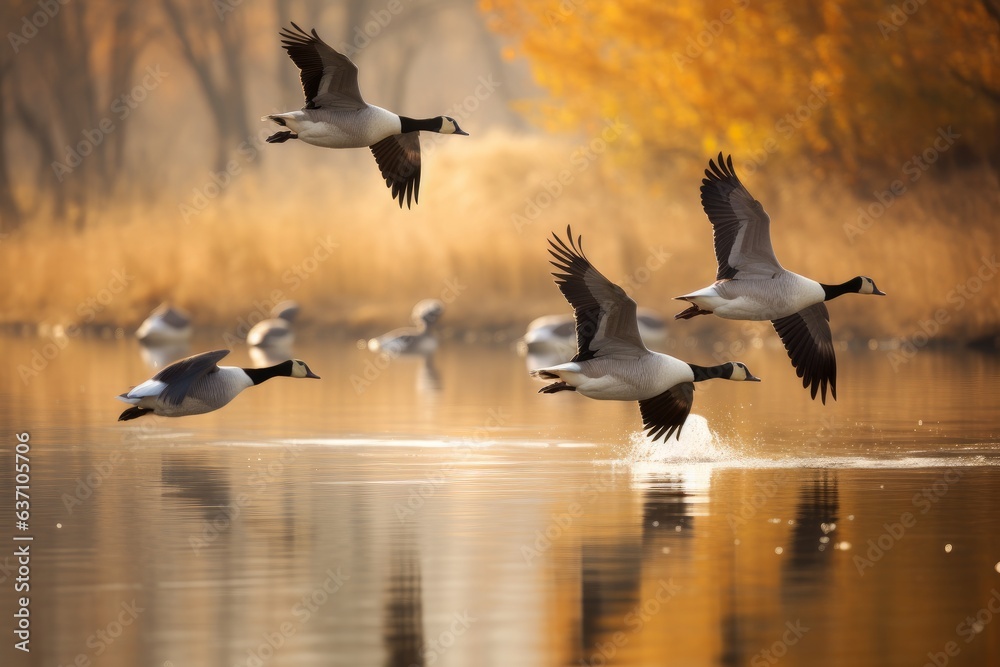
(444,513)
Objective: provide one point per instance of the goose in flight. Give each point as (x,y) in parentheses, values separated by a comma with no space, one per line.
(611,362)
(336,116)
(752,285)
(197,384)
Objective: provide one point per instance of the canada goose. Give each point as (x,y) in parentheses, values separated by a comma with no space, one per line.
(165,325)
(275,331)
(336,116)
(612,363)
(752,285)
(412,340)
(556,334)
(197,384)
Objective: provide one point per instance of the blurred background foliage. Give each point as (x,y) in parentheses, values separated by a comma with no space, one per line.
(844,86)
(130,140)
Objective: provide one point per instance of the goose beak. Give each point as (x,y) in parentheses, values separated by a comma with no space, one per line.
(310,374)
(878,292)
(751,378)
(459,130)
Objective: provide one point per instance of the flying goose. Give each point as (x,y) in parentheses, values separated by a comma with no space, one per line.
(612,363)
(275,331)
(752,285)
(197,384)
(165,325)
(412,340)
(336,116)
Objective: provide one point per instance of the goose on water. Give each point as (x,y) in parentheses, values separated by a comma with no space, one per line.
(276,331)
(197,384)
(166,325)
(556,334)
(751,285)
(612,363)
(412,340)
(336,116)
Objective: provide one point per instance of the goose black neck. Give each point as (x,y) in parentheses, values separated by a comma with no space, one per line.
(417,124)
(852,286)
(702,373)
(258,375)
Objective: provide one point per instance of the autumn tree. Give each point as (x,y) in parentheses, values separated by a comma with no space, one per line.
(847,85)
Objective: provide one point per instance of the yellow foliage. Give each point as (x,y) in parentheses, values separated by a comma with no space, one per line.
(849,85)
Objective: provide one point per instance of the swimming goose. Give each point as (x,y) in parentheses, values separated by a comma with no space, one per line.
(612,363)
(275,331)
(336,116)
(556,334)
(412,340)
(165,325)
(197,384)
(752,285)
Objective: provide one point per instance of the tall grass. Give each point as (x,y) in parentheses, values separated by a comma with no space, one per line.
(262,236)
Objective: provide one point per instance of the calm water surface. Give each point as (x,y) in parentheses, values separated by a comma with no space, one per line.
(444,513)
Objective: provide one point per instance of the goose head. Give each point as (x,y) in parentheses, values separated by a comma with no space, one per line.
(867,286)
(450,126)
(739,372)
(427,312)
(298,369)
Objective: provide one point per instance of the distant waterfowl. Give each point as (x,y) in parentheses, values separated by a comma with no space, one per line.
(556,334)
(412,340)
(752,285)
(165,325)
(336,116)
(275,331)
(612,363)
(197,384)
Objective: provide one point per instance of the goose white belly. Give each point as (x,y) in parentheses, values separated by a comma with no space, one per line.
(209,393)
(330,128)
(753,299)
(614,379)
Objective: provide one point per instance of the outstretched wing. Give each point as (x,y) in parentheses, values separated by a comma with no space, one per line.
(666,413)
(605,315)
(809,342)
(329,78)
(742,228)
(398,158)
(178,377)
